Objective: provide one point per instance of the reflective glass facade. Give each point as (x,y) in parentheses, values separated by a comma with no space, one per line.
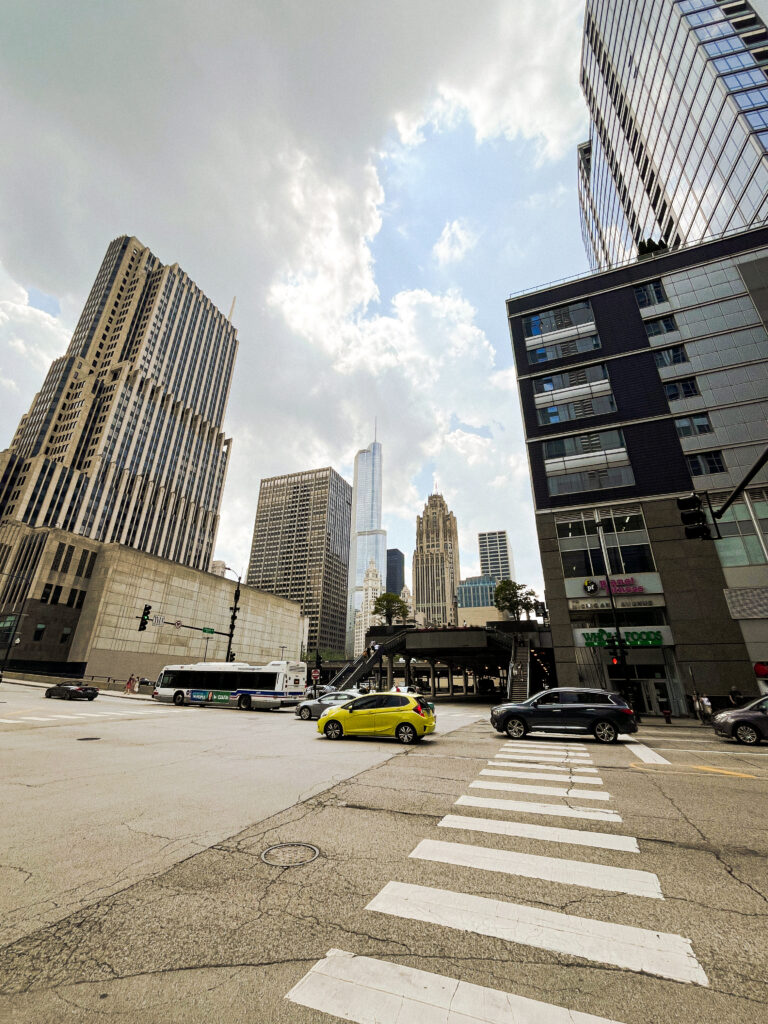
(678,99)
(367,539)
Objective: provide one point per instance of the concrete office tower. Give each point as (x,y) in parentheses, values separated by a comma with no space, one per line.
(123,444)
(672,398)
(395,570)
(300,549)
(364,617)
(678,101)
(367,540)
(436,563)
(495,559)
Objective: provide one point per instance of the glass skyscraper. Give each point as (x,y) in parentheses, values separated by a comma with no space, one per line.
(367,540)
(678,100)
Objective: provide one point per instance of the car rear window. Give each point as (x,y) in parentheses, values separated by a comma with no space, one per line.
(423,703)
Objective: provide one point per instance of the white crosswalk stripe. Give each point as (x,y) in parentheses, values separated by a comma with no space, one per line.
(521,787)
(530,807)
(528,744)
(9,721)
(548,758)
(550,869)
(581,779)
(543,767)
(368,991)
(31,718)
(647,755)
(635,949)
(542,833)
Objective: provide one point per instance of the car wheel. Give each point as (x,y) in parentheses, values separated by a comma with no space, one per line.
(48,693)
(333,731)
(406,733)
(515,728)
(305,714)
(91,698)
(605,732)
(747,734)
(244,702)
(178,698)
(66,695)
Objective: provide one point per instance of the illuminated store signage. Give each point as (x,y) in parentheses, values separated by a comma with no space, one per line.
(632,636)
(629,585)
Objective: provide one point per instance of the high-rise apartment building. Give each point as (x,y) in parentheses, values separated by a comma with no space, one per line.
(300,549)
(436,570)
(373,587)
(123,444)
(367,540)
(678,102)
(395,570)
(669,398)
(495,559)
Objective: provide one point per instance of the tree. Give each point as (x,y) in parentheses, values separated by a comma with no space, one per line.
(390,606)
(514,598)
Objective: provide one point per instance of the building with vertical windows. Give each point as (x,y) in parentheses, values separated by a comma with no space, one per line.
(495,558)
(640,385)
(300,549)
(367,540)
(678,102)
(436,571)
(373,587)
(123,444)
(395,570)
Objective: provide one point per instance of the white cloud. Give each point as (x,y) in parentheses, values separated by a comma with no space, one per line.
(455,241)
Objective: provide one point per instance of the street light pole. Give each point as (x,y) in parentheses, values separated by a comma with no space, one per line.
(234,608)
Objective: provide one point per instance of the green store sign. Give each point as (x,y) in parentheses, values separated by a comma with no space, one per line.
(630,637)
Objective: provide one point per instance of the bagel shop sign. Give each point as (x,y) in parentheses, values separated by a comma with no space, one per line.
(633,637)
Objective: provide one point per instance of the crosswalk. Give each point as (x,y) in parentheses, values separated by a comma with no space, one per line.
(83,715)
(373,991)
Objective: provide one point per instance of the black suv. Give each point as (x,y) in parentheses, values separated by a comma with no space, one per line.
(600,712)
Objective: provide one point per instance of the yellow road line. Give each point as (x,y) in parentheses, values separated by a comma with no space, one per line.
(658,769)
(722,771)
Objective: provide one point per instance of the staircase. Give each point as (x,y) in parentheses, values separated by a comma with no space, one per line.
(363,666)
(518,671)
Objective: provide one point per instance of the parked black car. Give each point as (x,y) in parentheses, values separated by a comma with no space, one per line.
(602,713)
(72,691)
(746,725)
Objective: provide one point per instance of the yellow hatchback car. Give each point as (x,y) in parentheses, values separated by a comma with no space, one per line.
(402,715)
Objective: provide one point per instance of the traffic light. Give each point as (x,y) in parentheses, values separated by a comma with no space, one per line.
(232,656)
(144,618)
(694,518)
(612,647)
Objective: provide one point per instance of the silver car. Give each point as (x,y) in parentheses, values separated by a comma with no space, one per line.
(314,708)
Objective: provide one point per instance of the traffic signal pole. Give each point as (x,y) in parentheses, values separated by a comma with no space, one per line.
(620,643)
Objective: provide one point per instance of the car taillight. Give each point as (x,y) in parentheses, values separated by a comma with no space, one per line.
(627,711)
(419,710)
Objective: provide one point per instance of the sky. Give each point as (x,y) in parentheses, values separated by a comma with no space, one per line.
(369,180)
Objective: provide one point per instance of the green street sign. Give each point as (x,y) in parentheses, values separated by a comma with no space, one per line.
(207,629)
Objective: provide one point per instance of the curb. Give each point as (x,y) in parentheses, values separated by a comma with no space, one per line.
(102,693)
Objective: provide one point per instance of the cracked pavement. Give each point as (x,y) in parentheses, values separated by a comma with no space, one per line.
(220,935)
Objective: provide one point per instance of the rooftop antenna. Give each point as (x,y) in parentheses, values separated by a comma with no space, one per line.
(375,426)
(232,308)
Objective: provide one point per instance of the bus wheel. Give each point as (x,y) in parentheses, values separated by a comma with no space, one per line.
(244,702)
(178,698)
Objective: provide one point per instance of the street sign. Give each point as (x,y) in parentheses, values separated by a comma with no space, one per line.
(207,629)
(178,624)
(159,620)
(315,673)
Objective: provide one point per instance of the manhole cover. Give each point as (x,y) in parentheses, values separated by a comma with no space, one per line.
(290,855)
(84,739)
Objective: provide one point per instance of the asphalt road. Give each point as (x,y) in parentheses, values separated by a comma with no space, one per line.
(465,879)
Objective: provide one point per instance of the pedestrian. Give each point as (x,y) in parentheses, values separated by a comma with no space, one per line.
(129,684)
(706,708)
(736,697)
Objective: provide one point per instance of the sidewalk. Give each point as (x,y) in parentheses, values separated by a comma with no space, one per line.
(103,691)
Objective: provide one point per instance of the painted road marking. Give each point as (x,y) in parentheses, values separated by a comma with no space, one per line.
(540,745)
(520,787)
(543,767)
(529,807)
(368,991)
(547,758)
(546,833)
(31,718)
(648,755)
(10,721)
(635,949)
(542,775)
(66,716)
(629,881)
(547,748)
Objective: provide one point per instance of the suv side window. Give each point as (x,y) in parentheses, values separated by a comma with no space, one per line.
(570,698)
(594,698)
(549,698)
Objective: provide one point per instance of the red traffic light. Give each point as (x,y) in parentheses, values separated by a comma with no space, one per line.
(614,661)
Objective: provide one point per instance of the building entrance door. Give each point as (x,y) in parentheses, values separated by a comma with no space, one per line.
(656,694)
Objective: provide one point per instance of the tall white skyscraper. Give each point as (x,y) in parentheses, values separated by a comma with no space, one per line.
(367,540)
(495,557)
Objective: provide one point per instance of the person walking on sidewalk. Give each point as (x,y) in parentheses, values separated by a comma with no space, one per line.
(130,686)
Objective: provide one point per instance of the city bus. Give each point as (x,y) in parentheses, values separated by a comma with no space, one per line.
(233,684)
